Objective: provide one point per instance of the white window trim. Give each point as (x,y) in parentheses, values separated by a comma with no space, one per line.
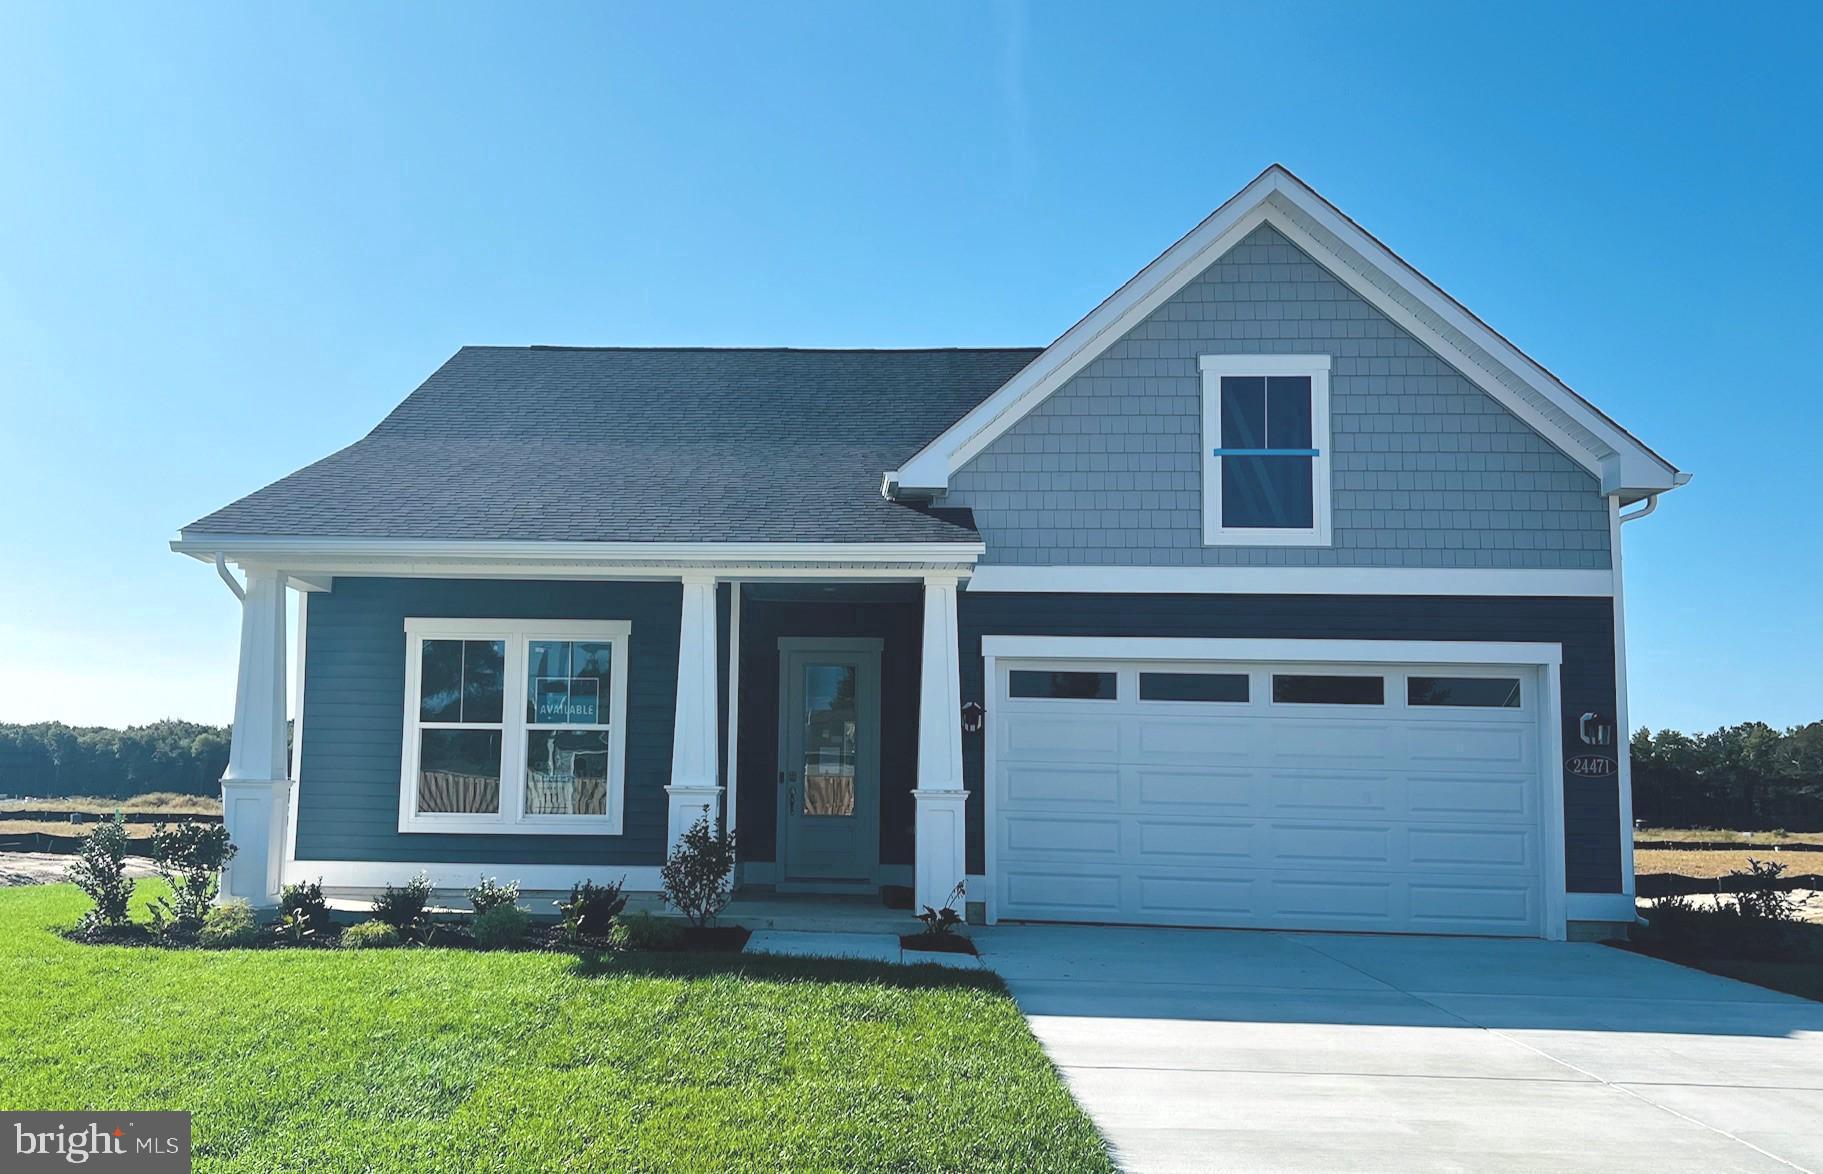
(511,818)
(1316,367)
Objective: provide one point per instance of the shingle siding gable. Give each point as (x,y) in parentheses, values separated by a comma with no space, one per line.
(1427,469)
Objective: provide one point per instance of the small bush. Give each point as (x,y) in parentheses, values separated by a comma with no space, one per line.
(370,935)
(591,909)
(304,906)
(938,922)
(190,856)
(1716,931)
(403,908)
(228,925)
(489,893)
(644,931)
(1760,897)
(698,877)
(501,928)
(100,871)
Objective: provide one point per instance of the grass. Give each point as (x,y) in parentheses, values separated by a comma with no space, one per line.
(1712,862)
(428,1059)
(165,802)
(1723,834)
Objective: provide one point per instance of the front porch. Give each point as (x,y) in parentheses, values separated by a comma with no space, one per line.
(816,710)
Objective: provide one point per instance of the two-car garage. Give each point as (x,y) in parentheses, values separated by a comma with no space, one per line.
(1334,785)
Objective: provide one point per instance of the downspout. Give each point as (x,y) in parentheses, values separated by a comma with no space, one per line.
(221,568)
(1636,515)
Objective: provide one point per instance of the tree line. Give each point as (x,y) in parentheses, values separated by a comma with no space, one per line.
(1749,777)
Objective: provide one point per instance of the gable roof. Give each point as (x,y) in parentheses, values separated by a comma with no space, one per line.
(615,445)
(1627,468)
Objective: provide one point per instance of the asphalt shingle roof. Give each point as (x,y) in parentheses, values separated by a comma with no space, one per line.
(640,445)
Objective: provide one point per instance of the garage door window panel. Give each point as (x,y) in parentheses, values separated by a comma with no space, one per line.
(1198,687)
(1063,685)
(1327,689)
(1463,692)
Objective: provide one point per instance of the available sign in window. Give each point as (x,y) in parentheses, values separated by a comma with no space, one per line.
(572,701)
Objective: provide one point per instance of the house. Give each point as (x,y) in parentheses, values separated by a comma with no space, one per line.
(1279,591)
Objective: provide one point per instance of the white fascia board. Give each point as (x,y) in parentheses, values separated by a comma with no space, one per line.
(310,552)
(1124,648)
(1628,466)
(1467,581)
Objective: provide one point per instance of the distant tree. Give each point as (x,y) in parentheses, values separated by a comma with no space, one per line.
(51,758)
(1749,777)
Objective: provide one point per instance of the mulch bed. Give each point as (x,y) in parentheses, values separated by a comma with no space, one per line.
(937,943)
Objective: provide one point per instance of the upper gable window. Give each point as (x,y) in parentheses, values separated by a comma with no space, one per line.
(1265,450)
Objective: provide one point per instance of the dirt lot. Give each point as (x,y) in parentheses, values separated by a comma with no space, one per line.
(161,802)
(41,868)
(1721,862)
(1723,834)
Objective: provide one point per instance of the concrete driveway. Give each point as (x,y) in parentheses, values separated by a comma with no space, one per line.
(1227,1050)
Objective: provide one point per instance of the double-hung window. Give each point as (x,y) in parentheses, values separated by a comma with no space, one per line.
(514,726)
(1266,450)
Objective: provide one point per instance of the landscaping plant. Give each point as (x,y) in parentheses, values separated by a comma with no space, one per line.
(303,910)
(501,927)
(644,931)
(1761,897)
(489,893)
(403,908)
(100,871)
(229,925)
(591,909)
(370,935)
(190,856)
(938,922)
(698,876)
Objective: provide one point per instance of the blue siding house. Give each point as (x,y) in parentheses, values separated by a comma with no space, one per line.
(1280,591)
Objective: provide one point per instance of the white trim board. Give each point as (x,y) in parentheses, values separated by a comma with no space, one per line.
(1292,581)
(693,554)
(1276,650)
(1626,466)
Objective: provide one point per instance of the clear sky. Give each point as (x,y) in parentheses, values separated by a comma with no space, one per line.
(232,237)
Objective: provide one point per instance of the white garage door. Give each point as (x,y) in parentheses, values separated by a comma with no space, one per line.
(1301,796)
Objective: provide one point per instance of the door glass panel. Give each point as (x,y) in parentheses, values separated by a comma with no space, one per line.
(829,739)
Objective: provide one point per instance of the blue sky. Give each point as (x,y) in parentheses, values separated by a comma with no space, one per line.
(232,237)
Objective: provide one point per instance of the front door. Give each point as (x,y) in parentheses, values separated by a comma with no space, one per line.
(829,762)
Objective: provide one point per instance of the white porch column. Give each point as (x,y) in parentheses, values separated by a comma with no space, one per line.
(941,853)
(693,788)
(256,790)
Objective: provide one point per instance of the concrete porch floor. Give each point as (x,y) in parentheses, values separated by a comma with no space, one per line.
(816,913)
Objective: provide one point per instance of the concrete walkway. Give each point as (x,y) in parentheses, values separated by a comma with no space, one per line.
(1216,1050)
(865,947)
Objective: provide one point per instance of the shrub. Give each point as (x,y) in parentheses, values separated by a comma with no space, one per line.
(302,905)
(944,920)
(100,871)
(190,857)
(502,927)
(698,877)
(1760,897)
(592,908)
(403,908)
(370,935)
(228,925)
(644,931)
(491,894)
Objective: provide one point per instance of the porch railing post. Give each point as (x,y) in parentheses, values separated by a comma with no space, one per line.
(256,789)
(941,840)
(693,790)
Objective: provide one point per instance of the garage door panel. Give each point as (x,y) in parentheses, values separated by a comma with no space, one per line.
(1060,739)
(1489,798)
(1154,788)
(1390,818)
(1292,742)
(1205,741)
(1062,836)
(1193,841)
(1174,898)
(1492,746)
(1053,784)
(1330,844)
(1457,847)
(1352,795)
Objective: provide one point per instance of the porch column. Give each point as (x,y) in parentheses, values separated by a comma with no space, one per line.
(256,790)
(694,740)
(941,854)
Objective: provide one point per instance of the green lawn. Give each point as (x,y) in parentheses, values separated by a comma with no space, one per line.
(455,1060)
